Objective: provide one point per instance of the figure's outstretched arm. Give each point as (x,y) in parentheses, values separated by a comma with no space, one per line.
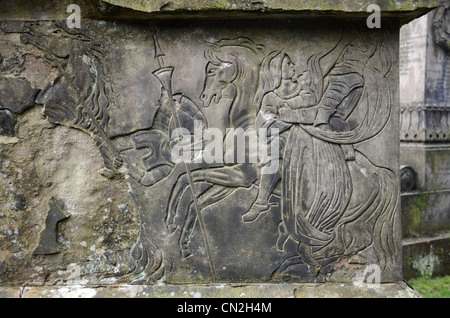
(329,59)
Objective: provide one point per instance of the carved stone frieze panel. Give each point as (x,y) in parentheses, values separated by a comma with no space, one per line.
(425,123)
(252,153)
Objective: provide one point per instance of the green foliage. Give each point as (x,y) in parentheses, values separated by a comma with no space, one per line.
(432,287)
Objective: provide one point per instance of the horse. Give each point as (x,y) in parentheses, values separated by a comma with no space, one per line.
(369,209)
(81,95)
(232,72)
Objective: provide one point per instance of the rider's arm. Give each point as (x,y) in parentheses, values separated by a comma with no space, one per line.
(299,116)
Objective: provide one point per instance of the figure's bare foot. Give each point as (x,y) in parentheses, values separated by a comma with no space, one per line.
(255,211)
(171,227)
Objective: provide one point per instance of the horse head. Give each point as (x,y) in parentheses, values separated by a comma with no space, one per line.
(56,39)
(229,62)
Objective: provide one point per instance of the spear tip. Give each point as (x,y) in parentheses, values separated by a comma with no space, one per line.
(158,52)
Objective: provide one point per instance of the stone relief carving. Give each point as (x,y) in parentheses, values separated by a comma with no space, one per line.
(424,123)
(320,127)
(441,26)
(232,67)
(408,179)
(315,213)
(79,96)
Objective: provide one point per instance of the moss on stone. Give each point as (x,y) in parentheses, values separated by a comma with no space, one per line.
(418,218)
(267,5)
(417,210)
(412,215)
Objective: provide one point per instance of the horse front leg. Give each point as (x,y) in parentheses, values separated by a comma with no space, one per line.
(207,194)
(175,197)
(186,213)
(191,217)
(224,175)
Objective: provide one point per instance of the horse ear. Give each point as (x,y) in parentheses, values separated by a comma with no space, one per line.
(211,53)
(213,46)
(261,49)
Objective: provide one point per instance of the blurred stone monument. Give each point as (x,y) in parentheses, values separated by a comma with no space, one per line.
(201,148)
(425,136)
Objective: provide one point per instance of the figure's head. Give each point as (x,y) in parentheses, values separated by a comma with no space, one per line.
(365,41)
(287,68)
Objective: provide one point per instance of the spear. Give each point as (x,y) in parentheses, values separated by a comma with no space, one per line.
(164,75)
(158,52)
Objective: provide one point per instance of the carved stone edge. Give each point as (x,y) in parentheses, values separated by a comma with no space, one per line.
(405,11)
(406,6)
(326,290)
(425,123)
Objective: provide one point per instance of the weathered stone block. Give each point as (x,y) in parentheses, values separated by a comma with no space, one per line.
(425,123)
(204,151)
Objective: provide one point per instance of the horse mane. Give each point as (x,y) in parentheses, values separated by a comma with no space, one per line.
(225,51)
(217,51)
(98,101)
